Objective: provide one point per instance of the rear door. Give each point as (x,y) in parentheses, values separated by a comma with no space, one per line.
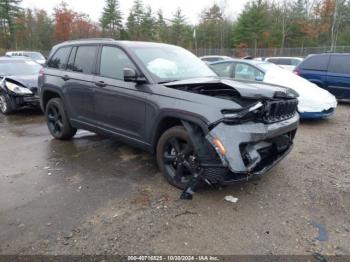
(79,86)
(338,77)
(119,105)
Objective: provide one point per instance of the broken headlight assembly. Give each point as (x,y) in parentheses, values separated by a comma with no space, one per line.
(17,89)
(232,116)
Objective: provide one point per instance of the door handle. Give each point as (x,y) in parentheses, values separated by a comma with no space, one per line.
(100,84)
(65,77)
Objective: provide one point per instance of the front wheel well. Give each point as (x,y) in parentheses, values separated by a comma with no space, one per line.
(47,96)
(163,126)
(167,123)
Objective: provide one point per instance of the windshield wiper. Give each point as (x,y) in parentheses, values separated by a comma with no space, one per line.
(168,81)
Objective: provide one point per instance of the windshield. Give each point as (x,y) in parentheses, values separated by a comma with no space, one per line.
(19,68)
(36,56)
(172,63)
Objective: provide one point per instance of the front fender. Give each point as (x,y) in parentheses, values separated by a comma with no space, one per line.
(181,116)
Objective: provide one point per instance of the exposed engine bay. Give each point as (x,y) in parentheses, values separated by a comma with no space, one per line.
(268,107)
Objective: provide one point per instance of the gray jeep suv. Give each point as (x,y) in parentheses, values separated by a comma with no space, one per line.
(163,99)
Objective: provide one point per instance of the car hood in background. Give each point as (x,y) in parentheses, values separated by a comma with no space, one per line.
(244,88)
(25,80)
(311,97)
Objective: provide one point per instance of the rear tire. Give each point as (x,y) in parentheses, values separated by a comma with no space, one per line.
(7,106)
(57,120)
(173,145)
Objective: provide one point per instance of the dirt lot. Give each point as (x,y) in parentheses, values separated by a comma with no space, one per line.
(93,195)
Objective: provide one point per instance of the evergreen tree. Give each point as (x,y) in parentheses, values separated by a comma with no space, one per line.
(111,20)
(9,10)
(134,21)
(211,28)
(252,24)
(148,25)
(178,28)
(161,28)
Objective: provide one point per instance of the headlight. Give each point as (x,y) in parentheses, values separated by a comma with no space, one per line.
(18,89)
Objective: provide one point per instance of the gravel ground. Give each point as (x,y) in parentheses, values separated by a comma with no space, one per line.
(93,195)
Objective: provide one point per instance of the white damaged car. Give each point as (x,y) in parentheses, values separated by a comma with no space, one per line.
(314,102)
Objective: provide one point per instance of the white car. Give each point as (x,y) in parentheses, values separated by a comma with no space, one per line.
(214,58)
(288,63)
(314,102)
(36,56)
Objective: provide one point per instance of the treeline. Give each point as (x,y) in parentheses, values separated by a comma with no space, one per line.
(261,24)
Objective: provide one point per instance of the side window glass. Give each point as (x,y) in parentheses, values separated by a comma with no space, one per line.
(85,59)
(285,61)
(222,69)
(59,59)
(247,72)
(317,62)
(70,64)
(113,61)
(274,61)
(339,64)
(295,62)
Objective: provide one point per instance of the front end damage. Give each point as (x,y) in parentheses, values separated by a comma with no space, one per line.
(21,95)
(245,143)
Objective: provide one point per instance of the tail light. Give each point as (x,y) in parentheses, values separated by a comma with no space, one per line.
(41,72)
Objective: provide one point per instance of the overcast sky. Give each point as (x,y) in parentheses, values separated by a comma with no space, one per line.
(191,8)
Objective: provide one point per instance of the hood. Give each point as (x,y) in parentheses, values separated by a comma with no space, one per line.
(29,81)
(244,88)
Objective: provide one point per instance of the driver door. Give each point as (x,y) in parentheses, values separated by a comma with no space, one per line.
(119,105)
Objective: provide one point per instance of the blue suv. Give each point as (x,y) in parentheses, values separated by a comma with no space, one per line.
(329,71)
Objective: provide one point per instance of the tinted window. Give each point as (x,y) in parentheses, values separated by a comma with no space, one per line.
(317,62)
(222,69)
(273,60)
(295,62)
(285,61)
(113,61)
(211,59)
(339,64)
(70,64)
(85,59)
(59,59)
(247,72)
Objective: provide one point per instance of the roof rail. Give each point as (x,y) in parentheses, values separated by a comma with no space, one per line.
(91,39)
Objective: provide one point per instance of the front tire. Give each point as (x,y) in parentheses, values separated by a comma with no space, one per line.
(174,152)
(6,104)
(57,120)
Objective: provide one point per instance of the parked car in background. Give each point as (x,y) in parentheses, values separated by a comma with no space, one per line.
(328,71)
(36,56)
(314,102)
(214,58)
(164,99)
(18,83)
(288,63)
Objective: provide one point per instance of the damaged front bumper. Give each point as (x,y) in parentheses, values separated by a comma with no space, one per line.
(29,100)
(250,149)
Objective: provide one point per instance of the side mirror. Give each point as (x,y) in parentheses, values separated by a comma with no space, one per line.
(130,75)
